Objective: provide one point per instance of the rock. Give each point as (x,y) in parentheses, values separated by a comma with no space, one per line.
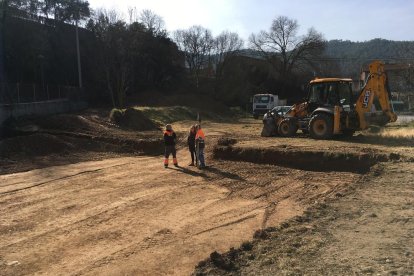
(261,234)
(13,263)
(368,270)
(394,156)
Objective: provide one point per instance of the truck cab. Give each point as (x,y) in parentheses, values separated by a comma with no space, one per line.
(263,103)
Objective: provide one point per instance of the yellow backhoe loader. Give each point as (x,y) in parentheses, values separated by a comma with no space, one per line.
(331,109)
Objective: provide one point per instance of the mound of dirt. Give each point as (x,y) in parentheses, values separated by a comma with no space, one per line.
(133,119)
(70,122)
(226,141)
(33,145)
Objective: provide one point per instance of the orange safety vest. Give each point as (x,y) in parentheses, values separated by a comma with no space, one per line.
(200,134)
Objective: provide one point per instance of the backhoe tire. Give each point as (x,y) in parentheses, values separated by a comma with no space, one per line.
(287,127)
(321,126)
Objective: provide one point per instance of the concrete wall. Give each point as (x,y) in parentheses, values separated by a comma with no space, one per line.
(39,108)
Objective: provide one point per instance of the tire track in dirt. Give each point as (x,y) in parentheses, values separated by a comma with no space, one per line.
(89,234)
(227,224)
(135,217)
(93,214)
(54,180)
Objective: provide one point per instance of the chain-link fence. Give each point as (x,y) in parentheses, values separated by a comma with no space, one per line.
(12,93)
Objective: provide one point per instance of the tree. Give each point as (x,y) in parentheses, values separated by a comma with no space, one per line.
(30,6)
(113,37)
(70,11)
(132,58)
(226,45)
(62,10)
(196,43)
(153,22)
(284,49)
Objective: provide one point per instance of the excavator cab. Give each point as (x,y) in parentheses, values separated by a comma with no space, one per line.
(328,93)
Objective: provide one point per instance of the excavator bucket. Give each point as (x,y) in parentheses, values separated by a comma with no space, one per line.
(377,118)
(269,127)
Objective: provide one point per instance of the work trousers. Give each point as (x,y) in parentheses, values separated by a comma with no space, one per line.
(170,150)
(192,153)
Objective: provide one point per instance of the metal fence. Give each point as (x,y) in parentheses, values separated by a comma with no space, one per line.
(12,93)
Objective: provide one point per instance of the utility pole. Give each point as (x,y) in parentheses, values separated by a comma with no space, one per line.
(77,48)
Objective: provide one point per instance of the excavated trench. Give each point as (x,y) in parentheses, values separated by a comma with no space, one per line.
(303,160)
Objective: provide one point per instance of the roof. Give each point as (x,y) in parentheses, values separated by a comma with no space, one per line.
(317,80)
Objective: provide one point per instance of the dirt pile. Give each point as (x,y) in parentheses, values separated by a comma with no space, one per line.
(133,119)
(30,141)
(33,145)
(74,123)
(226,141)
(70,122)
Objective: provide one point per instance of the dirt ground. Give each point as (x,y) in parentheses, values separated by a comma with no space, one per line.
(107,211)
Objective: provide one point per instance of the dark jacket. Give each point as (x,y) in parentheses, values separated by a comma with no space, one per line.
(191,139)
(169,138)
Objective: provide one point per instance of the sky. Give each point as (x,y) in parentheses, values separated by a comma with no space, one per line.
(355,20)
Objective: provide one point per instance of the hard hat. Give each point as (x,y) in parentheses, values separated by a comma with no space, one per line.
(168,127)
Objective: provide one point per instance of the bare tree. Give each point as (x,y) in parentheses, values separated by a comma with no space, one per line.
(196,43)
(226,44)
(132,15)
(152,22)
(282,46)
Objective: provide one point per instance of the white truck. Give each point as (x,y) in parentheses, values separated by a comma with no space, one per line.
(265,102)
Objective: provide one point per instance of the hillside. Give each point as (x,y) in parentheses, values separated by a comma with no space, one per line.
(392,51)
(350,56)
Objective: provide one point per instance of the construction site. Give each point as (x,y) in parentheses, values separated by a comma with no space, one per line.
(291,154)
(80,196)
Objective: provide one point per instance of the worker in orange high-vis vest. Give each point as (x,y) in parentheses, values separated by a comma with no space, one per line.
(170,139)
(200,145)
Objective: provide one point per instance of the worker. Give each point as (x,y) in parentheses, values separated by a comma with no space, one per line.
(170,139)
(200,144)
(191,143)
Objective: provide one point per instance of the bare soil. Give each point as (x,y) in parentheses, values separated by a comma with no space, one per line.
(110,208)
(365,230)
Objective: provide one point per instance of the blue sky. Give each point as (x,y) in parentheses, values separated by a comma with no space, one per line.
(347,20)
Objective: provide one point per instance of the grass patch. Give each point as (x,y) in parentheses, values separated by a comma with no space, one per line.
(140,115)
(163,115)
(116,115)
(403,132)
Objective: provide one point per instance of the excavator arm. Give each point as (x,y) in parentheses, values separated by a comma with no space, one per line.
(375,87)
